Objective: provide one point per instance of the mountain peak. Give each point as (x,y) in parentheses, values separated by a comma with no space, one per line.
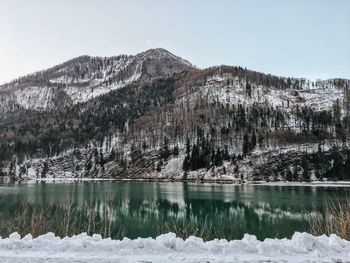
(161,53)
(158,50)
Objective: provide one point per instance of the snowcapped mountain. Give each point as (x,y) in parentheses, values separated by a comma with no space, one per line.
(154,115)
(85,77)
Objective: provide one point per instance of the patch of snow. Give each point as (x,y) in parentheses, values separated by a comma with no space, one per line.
(82,94)
(313,183)
(302,247)
(34,97)
(172,168)
(227,89)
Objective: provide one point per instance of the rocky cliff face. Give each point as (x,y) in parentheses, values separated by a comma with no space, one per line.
(154,115)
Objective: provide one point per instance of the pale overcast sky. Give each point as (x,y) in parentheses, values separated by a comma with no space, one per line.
(301,38)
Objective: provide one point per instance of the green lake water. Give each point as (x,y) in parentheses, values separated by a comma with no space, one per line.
(143,209)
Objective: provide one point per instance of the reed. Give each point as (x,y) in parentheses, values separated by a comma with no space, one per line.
(185,229)
(62,220)
(335,219)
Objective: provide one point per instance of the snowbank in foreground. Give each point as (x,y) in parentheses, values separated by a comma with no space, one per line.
(302,247)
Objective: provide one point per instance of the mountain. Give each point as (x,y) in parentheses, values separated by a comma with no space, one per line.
(155,116)
(85,77)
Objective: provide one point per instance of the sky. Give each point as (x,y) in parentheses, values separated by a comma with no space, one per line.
(297,38)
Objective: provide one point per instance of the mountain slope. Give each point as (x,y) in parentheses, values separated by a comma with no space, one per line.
(85,77)
(222,123)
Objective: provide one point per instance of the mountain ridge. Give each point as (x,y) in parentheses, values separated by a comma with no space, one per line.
(150,52)
(85,77)
(144,53)
(157,117)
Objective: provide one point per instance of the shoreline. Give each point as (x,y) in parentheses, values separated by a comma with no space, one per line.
(171,180)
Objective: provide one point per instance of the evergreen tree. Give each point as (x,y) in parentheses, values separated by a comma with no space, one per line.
(245,147)
(45,170)
(306,169)
(186,164)
(253,141)
(218,158)
(176,151)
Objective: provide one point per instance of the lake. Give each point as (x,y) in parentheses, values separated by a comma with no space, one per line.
(147,209)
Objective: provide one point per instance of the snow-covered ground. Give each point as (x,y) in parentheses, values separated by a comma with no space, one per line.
(313,183)
(302,247)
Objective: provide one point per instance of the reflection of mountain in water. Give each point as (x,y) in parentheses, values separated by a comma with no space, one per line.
(145,208)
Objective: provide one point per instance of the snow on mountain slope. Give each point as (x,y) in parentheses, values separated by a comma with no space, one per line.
(226,107)
(86,77)
(34,98)
(302,247)
(230,90)
(79,94)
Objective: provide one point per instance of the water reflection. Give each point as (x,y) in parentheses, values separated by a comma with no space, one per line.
(145,209)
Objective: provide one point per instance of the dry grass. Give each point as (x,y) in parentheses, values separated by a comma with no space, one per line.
(65,220)
(184,229)
(94,218)
(335,219)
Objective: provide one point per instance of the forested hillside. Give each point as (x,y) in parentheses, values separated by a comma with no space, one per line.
(154,115)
